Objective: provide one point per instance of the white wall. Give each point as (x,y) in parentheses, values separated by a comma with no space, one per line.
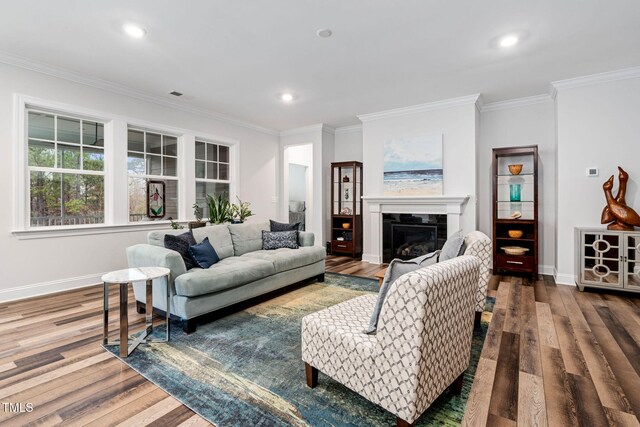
(509,124)
(348,144)
(41,265)
(598,126)
(456,123)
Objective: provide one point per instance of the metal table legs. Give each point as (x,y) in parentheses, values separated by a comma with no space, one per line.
(141,337)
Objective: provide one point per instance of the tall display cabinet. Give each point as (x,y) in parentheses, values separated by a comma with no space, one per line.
(346,208)
(515,210)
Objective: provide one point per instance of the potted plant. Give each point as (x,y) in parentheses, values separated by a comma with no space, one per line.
(241,211)
(174,224)
(197,212)
(219,208)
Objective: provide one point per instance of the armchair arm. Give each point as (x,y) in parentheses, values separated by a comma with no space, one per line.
(306,238)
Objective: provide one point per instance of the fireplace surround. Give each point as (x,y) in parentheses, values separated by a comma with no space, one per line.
(376,206)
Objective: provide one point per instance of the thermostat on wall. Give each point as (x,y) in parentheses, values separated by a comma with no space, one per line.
(592,171)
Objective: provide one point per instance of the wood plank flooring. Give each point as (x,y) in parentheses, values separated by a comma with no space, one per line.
(555,356)
(552,356)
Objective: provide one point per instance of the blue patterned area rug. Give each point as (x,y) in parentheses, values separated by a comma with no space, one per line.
(245,369)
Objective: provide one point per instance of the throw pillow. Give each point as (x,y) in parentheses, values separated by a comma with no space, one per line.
(279,239)
(397,268)
(180,244)
(203,254)
(282,226)
(453,247)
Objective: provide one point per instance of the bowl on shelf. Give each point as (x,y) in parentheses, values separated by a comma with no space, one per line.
(515,234)
(514,250)
(346,225)
(516,215)
(515,169)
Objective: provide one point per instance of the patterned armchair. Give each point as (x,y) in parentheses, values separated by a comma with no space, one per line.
(479,245)
(422,346)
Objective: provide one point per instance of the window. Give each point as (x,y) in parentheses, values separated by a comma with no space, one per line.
(65,170)
(212,171)
(152,156)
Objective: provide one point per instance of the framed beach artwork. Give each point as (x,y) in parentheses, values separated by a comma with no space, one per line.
(155,199)
(413,166)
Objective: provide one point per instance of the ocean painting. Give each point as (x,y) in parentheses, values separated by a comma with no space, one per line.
(413,166)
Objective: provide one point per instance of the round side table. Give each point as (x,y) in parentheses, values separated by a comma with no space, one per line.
(125,278)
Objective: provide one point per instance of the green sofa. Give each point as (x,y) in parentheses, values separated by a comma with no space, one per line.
(244,271)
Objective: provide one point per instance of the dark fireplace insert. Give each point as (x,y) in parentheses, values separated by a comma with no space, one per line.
(408,236)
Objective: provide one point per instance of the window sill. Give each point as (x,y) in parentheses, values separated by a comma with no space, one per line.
(89,230)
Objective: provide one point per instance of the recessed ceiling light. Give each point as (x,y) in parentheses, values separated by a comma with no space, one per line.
(286,97)
(324,33)
(134,31)
(509,40)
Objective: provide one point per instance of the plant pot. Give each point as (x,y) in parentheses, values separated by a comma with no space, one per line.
(196,224)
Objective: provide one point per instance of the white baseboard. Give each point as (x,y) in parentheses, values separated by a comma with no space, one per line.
(546,269)
(371,259)
(564,279)
(39,289)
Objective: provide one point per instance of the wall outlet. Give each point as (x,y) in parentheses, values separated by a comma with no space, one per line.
(592,172)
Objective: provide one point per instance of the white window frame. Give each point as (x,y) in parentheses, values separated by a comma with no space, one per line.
(176,178)
(115,170)
(232,166)
(55,168)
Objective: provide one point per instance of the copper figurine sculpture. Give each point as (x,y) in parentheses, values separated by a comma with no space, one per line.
(617,214)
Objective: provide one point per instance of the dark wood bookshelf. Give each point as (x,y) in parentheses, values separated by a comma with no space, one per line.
(346,193)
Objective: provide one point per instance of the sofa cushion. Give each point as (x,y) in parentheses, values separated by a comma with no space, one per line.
(247,237)
(156,238)
(283,226)
(397,268)
(453,247)
(181,244)
(203,254)
(219,237)
(287,259)
(272,240)
(228,273)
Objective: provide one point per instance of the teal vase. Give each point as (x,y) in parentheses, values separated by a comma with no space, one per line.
(514,192)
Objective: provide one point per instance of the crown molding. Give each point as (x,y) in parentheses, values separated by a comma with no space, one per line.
(39,67)
(320,127)
(610,76)
(420,108)
(518,102)
(348,129)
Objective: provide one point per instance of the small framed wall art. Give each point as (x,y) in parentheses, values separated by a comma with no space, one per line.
(155,199)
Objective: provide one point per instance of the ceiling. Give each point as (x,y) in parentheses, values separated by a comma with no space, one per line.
(236,56)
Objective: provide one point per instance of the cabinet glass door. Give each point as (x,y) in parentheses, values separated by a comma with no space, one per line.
(632,266)
(600,264)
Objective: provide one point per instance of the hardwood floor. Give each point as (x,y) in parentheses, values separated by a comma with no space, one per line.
(556,356)
(552,356)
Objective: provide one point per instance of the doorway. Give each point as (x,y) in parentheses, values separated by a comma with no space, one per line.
(298,189)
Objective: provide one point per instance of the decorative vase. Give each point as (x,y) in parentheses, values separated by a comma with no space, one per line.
(346,194)
(514,192)
(345,179)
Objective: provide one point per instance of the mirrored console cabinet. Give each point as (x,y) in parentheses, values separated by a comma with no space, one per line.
(607,259)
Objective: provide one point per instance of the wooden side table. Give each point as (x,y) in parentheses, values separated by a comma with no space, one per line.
(125,278)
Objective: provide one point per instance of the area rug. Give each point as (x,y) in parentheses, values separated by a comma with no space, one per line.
(245,369)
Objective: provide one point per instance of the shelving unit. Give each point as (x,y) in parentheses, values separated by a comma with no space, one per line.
(515,193)
(346,209)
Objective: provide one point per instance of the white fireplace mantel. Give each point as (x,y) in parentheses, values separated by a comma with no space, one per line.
(452,206)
